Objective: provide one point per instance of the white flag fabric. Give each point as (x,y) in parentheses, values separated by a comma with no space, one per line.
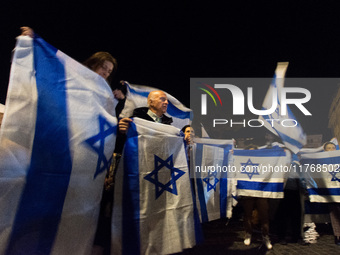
(153,210)
(215,190)
(137,97)
(292,136)
(319,149)
(57,139)
(204,132)
(321,171)
(262,172)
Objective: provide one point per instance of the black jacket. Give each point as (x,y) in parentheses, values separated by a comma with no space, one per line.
(142,113)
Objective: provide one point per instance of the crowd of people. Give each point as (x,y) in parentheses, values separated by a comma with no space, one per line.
(290,209)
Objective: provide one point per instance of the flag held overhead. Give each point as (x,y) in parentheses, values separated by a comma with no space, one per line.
(292,133)
(54,105)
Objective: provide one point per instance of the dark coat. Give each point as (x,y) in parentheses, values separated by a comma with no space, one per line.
(142,113)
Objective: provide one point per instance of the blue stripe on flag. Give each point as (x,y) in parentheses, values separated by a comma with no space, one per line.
(283,136)
(289,139)
(224,184)
(200,188)
(131,214)
(197,223)
(223,197)
(262,186)
(331,160)
(292,116)
(140,93)
(274,152)
(39,212)
(324,191)
(174,111)
(203,206)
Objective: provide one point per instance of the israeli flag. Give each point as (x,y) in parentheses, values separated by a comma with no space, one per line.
(293,136)
(153,210)
(262,172)
(57,138)
(322,174)
(215,191)
(137,97)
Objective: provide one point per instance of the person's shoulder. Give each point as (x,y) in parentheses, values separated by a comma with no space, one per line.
(140,111)
(166,119)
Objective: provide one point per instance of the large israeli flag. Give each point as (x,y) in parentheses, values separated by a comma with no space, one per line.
(57,138)
(291,133)
(262,172)
(153,210)
(215,189)
(137,97)
(321,171)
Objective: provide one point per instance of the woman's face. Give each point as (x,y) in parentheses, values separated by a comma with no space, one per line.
(105,70)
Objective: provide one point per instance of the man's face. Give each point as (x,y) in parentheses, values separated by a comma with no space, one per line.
(189,131)
(159,103)
(330,147)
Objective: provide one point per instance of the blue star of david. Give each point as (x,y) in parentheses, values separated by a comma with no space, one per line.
(105,130)
(245,169)
(207,181)
(333,173)
(175,174)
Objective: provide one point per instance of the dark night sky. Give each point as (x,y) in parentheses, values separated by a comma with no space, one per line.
(164,43)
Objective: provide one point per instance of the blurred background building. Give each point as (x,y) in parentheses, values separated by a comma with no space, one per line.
(334,116)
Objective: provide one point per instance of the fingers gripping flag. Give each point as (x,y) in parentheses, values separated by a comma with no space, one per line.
(293,136)
(321,171)
(56,142)
(214,188)
(153,210)
(261,173)
(137,97)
